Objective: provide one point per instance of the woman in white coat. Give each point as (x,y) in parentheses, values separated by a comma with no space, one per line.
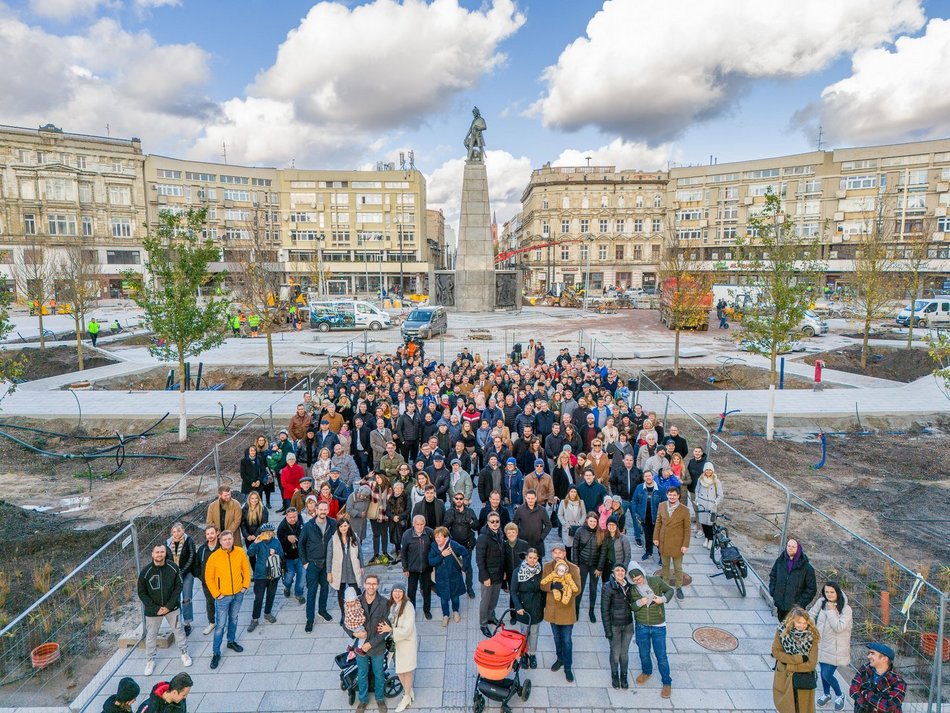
(834,620)
(708,498)
(344,561)
(572,517)
(402,626)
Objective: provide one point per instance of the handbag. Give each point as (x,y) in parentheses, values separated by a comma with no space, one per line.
(804,681)
(572,530)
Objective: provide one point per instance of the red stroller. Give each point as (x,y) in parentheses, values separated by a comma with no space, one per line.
(496,659)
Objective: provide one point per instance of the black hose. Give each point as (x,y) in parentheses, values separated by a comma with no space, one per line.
(102,453)
(146,432)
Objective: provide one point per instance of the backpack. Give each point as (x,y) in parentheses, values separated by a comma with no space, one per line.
(275,567)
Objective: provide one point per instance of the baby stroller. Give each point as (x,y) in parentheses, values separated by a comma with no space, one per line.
(496,658)
(392,687)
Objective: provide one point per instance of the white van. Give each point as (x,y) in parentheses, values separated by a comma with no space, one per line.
(347,314)
(927,312)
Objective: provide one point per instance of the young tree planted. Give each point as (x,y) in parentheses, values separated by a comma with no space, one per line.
(11,367)
(178,294)
(80,276)
(685,291)
(36,274)
(783,267)
(914,265)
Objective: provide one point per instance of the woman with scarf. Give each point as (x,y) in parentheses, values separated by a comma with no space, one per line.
(528,600)
(616,549)
(571,514)
(253,515)
(269,481)
(346,437)
(325,495)
(378,515)
(418,491)
(320,470)
(795,650)
(307,450)
(344,561)
(357,505)
(252,475)
(309,510)
(264,577)
(708,498)
(792,579)
(449,560)
(401,626)
(181,551)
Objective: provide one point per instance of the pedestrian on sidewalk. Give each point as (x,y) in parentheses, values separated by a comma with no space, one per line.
(721,313)
(266,573)
(401,626)
(792,579)
(616,615)
(315,541)
(374,635)
(288,532)
(228,576)
(181,549)
(708,498)
(415,562)
(344,561)
(93,330)
(159,589)
(448,559)
(877,686)
(648,601)
(200,566)
(121,701)
(671,536)
(559,611)
(586,554)
(795,650)
(528,600)
(169,696)
(834,620)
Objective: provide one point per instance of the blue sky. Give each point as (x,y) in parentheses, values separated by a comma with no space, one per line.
(644,85)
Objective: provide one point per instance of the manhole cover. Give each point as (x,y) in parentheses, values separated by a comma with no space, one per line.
(687,580)
(709,637)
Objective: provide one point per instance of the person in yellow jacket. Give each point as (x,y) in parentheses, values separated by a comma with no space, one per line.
(227,576)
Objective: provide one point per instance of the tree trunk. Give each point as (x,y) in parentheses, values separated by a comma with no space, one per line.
(78,342)
(182,414)
(676,354)
(270,352)
(42,338)
(773,355)
(864,345)
(910,323)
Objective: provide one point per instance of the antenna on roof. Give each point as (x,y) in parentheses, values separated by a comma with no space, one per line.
(224,151)
(107,131)
(412,160)
(819,136)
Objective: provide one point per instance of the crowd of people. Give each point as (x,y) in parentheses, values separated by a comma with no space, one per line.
(527,479)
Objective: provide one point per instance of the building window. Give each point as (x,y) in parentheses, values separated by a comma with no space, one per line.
(585,202)
(122,195)
(123,257)
(260,181)
(544,203)
(233,194)
(87,226)
(596,280)
(41,157)
(854,183)
(203,177)
(729,212)
(654,252)
(657,200)
(601,252)
(242,214)
(730,193)
(163,189)
(812,186)
(537,255)
(369,199)
(565,226)
(603,225)
(235,180)
(618,252)
(85,192)
(585,251)
(621,225)
(168,173)
(61,224)
(545,229)
(29,224)
(764,173)
(121,228)
(620,201)
(657,225)
(565,252)
(604,202)
(566,203)
(638,225)
(639,202)
(116,165)
(914,178)
(585,226)
(58,189)
(637,252)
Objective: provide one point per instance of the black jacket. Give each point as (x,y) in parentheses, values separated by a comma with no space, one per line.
(375,614)
(313,544)
(490,556)
(285,530)
(251,471)
(615,606)
(408,428)
(439,509)
(514,555)
(534,524)
(511,413)
(483,517)
(797,587)
(680,446)
(587,550)
(462,525)
(695,468)
(485,482)
(186,555)
(156,704)
(159,587)
(415,550)
(553,445)
(527,595)
(249,529)
(440,478)
(201,560)
(623,482)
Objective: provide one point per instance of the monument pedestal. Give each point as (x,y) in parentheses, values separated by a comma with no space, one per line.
(475,261)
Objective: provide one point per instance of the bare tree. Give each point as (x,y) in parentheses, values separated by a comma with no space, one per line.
(875,272)
(914,265)
(686,291)
(80,276)
(36,272)
(258,278)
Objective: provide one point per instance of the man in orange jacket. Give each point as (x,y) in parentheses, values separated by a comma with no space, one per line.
(227,576)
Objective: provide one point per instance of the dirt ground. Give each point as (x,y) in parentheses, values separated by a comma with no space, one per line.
(883,362)
(53,361)
(721,378)
(233,380)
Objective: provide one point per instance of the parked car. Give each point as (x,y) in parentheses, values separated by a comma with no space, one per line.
(425,322)
(347,314)
(927,312)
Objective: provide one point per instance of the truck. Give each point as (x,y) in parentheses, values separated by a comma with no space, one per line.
(685,306)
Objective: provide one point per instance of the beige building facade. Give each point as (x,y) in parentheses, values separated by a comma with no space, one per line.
(60,191)
(590,224)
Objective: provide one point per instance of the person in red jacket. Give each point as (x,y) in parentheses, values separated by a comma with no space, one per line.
(290,476)
(169,696)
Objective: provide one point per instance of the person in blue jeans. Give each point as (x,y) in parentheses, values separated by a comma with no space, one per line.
(649,597)
(288,532)
(228,575)
(375,609)
(559,610)
(314,542)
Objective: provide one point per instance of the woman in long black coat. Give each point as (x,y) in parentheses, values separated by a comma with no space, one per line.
(252,473)
(792,580)
(527,600)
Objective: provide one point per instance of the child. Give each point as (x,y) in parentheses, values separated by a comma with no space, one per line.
(562,575)
(354,619)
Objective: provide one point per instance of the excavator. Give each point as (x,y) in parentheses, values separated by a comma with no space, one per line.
(569,296)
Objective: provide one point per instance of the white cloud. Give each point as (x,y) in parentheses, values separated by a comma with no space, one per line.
(891,95)
(619,153)
(508,176)
(385,64)
(145,4)
(648,70)
(105,76)
(64,10)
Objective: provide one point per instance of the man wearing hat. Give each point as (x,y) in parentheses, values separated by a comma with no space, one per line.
(460,483)
(439,475)
(512,486)
(124,697)
(298,499)
(877,687)
(325,438)
(540,482)
(648,599)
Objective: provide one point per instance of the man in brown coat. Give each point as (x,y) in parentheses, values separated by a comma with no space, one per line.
(671,536)
(225,512)
(560,611)
(299,423)
(541,483)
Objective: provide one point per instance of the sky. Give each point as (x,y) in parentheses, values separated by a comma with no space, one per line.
(637,84)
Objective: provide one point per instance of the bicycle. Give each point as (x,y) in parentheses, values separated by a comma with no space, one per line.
(724,554)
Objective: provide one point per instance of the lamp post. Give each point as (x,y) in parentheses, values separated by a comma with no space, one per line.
(321,287)
(588,242)
(402,286)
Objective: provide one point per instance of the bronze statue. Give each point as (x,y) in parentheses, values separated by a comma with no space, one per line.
(474,141)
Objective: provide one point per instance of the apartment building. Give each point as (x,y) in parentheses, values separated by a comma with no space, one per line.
(591,224)
(60,191)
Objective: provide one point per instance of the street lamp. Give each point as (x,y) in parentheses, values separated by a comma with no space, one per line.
(321,287)
(402,286)
(588,243)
